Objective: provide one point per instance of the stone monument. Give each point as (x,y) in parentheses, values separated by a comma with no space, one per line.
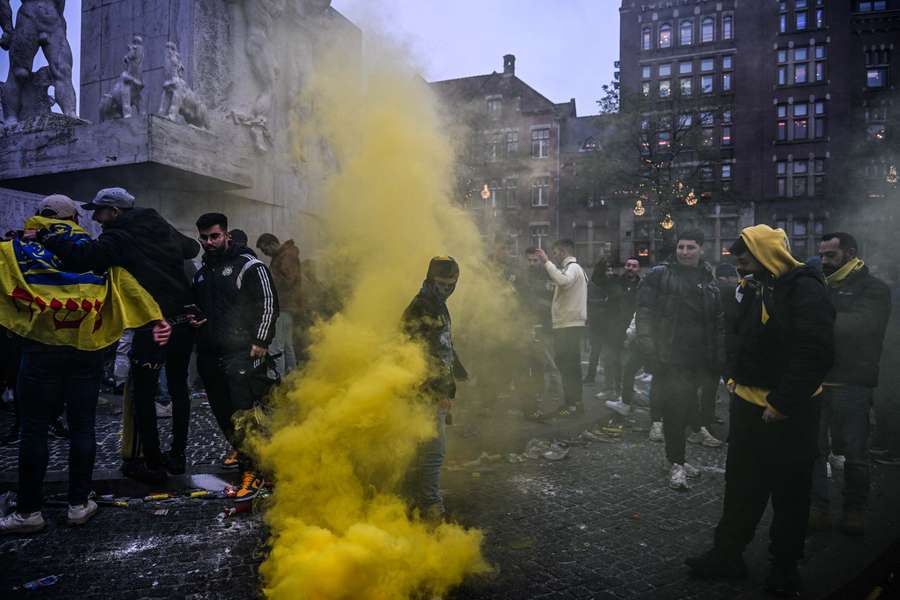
(230,75)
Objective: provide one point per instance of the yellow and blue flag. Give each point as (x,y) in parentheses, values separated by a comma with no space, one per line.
(42,302)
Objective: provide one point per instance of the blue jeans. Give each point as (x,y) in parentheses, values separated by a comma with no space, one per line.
(845,413)
(425,473)
(50,377)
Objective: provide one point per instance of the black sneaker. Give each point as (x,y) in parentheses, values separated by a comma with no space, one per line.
(140,471)
(174,463)
(784,581)
(716,564)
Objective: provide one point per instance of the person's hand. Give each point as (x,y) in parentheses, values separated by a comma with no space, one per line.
(258,351)
(731,385)
(29,235)
(541,255)
(162,331)
(770,415)
(445,404)
(193,322)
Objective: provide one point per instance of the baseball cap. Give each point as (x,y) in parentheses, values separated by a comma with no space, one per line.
(114,197)
(444,267)
(61,206)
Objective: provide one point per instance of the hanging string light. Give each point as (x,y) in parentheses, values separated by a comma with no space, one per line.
(892,175)
(667,223)
(639,209)
(691,199)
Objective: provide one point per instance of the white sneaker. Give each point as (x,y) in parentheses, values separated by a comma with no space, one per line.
(709,440)
(691,472)
(837,461)
(678,478)
(81,514)
(16,523)
(619,407)
(656,431)
(163,411)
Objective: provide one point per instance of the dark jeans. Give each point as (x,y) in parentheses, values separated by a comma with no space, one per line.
(147,359)
(845,413)
(633,363)
(677,389)
(609,344)
(887,424)
(749,483)
(51,378)
(709,393)
(567,351)
(228,394)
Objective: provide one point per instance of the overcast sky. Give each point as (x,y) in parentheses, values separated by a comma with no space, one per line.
(564,48)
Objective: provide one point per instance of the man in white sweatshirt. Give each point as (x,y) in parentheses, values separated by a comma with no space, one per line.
(569,313)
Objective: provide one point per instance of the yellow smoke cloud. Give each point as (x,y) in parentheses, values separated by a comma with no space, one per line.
(343,432)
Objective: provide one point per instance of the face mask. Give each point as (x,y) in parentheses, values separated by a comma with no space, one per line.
(443,290)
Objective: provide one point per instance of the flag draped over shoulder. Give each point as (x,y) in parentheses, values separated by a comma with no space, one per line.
(41,302)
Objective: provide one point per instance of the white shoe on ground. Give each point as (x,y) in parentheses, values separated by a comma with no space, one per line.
(14,523)
(678,478)
(691,472)
(619,407)
(82,513)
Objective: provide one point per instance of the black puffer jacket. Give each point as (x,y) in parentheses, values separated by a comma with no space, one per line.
(863,304)
(145,245)
(661,305)
(236,293)
(792,351)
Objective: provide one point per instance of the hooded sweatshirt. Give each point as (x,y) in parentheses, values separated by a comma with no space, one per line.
(569,308)
(786,342)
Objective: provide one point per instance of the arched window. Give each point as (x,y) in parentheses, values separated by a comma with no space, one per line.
(727,27)
(687,33)
(665,36)
(646,38)
(707,29)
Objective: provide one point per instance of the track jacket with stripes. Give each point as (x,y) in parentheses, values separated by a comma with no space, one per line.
(235,292)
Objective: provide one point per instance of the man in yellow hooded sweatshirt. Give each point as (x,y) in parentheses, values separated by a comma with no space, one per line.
(783,348)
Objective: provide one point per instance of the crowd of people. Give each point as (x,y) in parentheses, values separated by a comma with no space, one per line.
(796,344)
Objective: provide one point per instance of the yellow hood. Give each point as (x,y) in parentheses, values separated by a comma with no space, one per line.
(770,248)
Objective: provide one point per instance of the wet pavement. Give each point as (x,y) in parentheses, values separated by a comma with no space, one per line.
(599,523)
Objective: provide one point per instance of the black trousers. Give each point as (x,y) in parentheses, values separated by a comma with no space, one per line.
(567,351)
(755,473)
(147,358)
(633,364)
(609,344)
(709,392)
(228,395)
(676,389)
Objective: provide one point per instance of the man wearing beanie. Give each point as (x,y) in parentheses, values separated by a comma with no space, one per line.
(427,321)
(784,347)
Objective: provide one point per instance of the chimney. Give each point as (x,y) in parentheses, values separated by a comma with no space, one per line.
(509,64)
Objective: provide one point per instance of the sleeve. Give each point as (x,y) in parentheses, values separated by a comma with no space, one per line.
(868,315)
(562,278)
(719,332)
(811,331)
(89,255)
(264,300)
(645,314)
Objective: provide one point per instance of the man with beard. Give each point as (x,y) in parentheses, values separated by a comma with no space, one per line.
(427,320)
(235,293)
(629,281)
(863,304)
(784,348)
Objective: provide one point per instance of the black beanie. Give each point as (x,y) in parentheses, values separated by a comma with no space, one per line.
(443,266)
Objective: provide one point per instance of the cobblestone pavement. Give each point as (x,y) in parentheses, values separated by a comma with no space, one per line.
(601,523)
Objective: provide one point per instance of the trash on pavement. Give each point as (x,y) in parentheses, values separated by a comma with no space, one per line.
(161,512)
(483,459)
(42,582)
(557,451)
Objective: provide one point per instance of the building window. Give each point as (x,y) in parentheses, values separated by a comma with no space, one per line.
(686,68)
(800,171)
(726,135)
(539,234)
(646,38)
(726,82)
(685,121)
(876,78)
(540,192)
(707,29)
(686,34)
(707,65)
(494,105)
(877,65)
(801,121)
(869,5)
(782,23)
(665,69)
(728,62)
(665,88)
(800,73)
(540,143)
(727,27)
(726,171)
(664,140)
(726,116)
(819,119)
(511,189)
(782,75)
(820,63)
(645,72)
(645,88)
(512,143)
(781,128)
(706,84)
(493,147)
(819,178)
(706,173)
(665,36)
(781,178)
(820,18)
(686,84)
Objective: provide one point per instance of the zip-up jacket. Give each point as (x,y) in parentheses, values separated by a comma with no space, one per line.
(569,308)
(236,294)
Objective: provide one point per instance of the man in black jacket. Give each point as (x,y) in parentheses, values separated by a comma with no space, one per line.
(604,309)
(235,293)
(630,282)
(680,335)
(784,347)
(148,247)
(863,304)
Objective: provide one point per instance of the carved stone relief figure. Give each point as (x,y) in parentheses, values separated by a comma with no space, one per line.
(177,98)
(40,24)
(124,100)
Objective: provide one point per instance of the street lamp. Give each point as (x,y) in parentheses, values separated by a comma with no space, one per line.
(667,223)
(691,199)
(639,209)
(892,175)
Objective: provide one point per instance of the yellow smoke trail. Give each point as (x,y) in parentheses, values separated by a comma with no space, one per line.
(343,432)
